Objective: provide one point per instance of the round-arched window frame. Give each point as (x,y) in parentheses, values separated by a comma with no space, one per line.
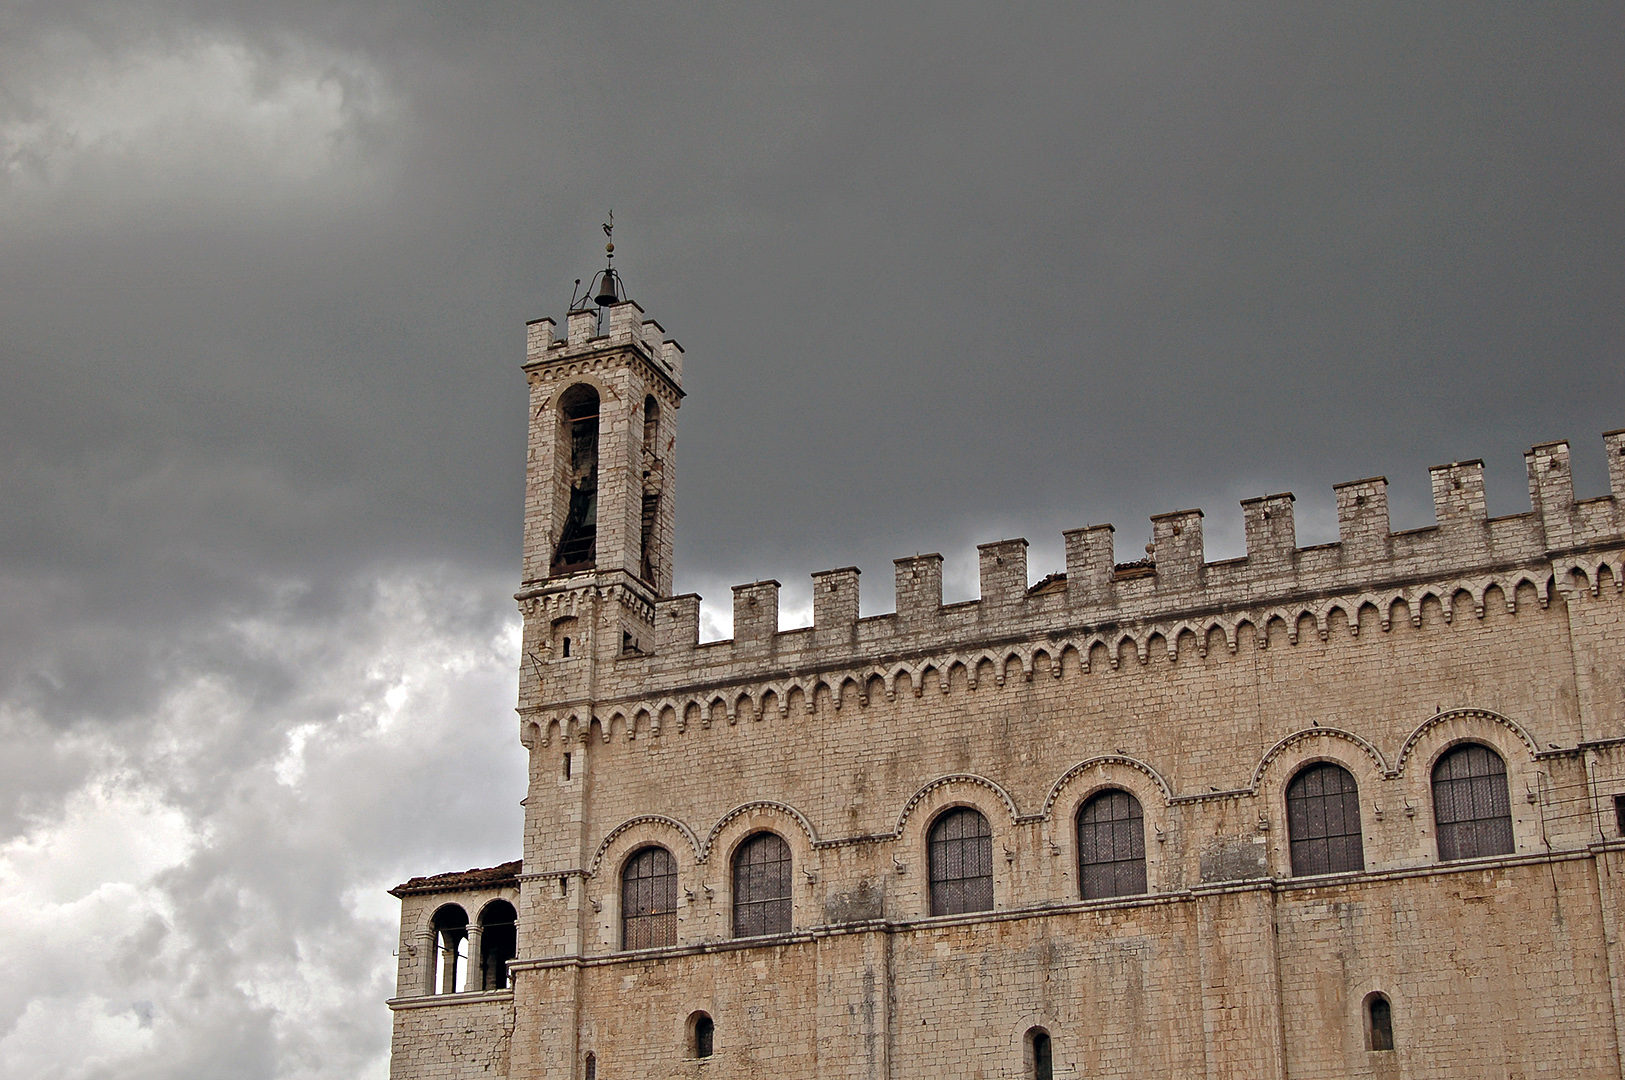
(649,899)
(1323,821)
(761,886)
(1111,845)
(1472,810)
(959,854)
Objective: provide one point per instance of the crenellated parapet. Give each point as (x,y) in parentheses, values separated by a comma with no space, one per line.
(1101,613)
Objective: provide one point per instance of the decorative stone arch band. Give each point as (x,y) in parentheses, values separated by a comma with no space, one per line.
(644,819)
(1461,714)
(751,807)
(944,781)
(1305,735)
(1100,761)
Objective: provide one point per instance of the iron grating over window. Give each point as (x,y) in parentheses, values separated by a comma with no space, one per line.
(960,854)
(1323,821)
(762,886)
(1111,846)
(649,900)
(1470,803)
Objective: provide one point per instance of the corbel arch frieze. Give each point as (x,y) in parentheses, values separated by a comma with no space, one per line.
(940,667)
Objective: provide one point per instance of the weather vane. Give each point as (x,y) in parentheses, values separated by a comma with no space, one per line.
(611,289)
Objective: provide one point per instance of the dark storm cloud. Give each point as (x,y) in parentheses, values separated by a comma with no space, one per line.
(944,274)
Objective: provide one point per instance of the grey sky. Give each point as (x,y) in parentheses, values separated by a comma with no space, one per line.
(944,274)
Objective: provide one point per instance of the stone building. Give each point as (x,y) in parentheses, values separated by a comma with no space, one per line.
(1351,810)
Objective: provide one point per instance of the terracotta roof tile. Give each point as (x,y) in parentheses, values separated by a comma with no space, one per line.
(488,877)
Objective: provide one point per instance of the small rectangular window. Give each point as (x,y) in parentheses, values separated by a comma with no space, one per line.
(567,766)
(1619,813)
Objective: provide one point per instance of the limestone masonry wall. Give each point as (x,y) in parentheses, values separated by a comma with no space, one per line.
(1201,689)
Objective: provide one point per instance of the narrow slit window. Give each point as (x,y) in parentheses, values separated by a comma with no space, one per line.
(702,1035)
(1040,1055)
(1379,1023)
(1619,813)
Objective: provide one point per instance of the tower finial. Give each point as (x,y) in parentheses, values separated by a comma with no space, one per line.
(610,286)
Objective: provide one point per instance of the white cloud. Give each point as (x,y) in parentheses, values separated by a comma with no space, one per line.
(212,901)
(210,116)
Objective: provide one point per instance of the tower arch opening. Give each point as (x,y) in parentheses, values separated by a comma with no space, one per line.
(578,464)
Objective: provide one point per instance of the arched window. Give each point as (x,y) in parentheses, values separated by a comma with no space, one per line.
(578,411)
(701,1035)
(450,973)
(651,491)
(1323,821)
(649,900)
(591,1064)
(1040,1057)
(1470,803)
(960,854)
(651,425)
(499,943)
(1379,1023)
(1111,846)
(762,886)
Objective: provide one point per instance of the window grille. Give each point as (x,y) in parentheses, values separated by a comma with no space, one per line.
(1323,821)
(762,886)
(960,854)
(1470,803)
(649,900)
(1111,846)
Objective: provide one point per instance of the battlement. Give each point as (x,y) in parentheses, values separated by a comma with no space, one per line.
(1464,551)
(586,333)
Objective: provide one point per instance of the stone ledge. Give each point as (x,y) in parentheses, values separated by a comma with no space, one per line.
(429,1001)
(1073,907)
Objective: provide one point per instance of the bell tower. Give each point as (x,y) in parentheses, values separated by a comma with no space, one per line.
(598,488)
